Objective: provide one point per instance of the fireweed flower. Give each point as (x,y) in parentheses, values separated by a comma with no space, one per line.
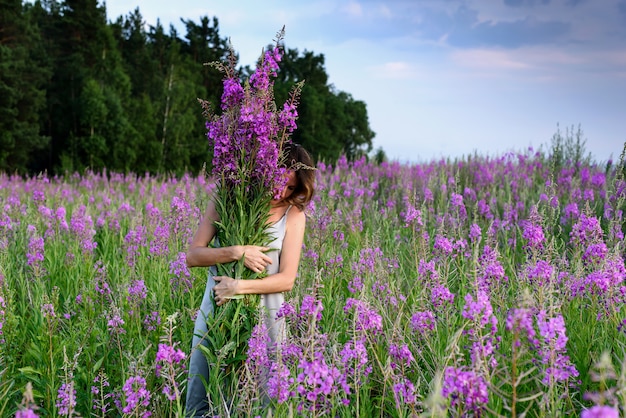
(317,381)
(466,391)
(607,279)
(586,231)
(66,399)
(423,322)
(248,140)
(170,359)
(441,297)
(100,281)
(258,348)
(26,413)
(411,215)
(404,392)
(401,354)
(442,246)
(47,309)
(101,403)
(533,234)
(115,324)
(570,212)
(483,329)
(311,307)
(368,258)
(134,240)
(286,310)
(521,322)
(35,252)
(81,225)
(458,208)
(160,239)
(600,411)
(474,233)
(595,253)
(279,383)
(354,358)
(490,270)
(151,321)
(539,273)
(137,292)
(366,318)
(60,215)
(136,397)
(181,274)
(551,350)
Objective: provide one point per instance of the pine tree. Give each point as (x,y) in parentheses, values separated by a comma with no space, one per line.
(22,94)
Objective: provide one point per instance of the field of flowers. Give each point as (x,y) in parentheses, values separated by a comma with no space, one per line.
(487,286)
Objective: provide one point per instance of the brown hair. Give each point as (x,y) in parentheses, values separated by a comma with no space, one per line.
(298,159)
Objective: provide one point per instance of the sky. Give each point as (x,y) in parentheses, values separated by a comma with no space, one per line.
(446,78)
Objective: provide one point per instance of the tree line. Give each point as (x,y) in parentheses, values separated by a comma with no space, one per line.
(79,92)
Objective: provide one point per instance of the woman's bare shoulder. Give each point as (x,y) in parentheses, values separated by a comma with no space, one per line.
(296,215)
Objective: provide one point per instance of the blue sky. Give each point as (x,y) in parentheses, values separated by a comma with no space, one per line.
(447,78)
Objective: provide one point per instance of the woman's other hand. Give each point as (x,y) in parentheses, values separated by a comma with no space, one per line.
(225,289)
(255,258)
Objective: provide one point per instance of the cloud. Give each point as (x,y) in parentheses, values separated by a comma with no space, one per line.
(397,70)
(353,9)
(514,34)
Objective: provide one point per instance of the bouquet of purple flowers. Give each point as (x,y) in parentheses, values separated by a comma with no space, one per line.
(247,139)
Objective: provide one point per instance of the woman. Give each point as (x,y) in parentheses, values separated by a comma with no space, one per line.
(280,259)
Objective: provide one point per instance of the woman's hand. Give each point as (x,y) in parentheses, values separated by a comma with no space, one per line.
(225,289)
(255,258)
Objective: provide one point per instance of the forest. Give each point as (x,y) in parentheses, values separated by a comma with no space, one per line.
(80,92)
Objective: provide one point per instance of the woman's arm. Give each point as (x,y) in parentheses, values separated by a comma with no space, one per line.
(200,255)
(289,260)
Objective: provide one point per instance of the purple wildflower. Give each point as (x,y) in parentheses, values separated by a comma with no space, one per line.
(101,403)
(170,359)
(137,292)
(442,245)
(66,399)
(587,230)
(311,307)
(411,214)
(423,322)
(552,349)
(115,324)
(521,321)
(279,383)
(136,397)
(401,354)
(26,413)
(181,273)
(474,232)
(134,240)
(354,357)
(151,321)
(600,411)
(367,319)
(466,390)
(441,296)
(47,309)
(258,348)
(404,392)
(286,310)
(317,381)
(81,225)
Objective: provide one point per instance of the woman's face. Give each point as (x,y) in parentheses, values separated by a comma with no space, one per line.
(290,186)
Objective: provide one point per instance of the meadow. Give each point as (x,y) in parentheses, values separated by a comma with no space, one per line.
(482,286)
